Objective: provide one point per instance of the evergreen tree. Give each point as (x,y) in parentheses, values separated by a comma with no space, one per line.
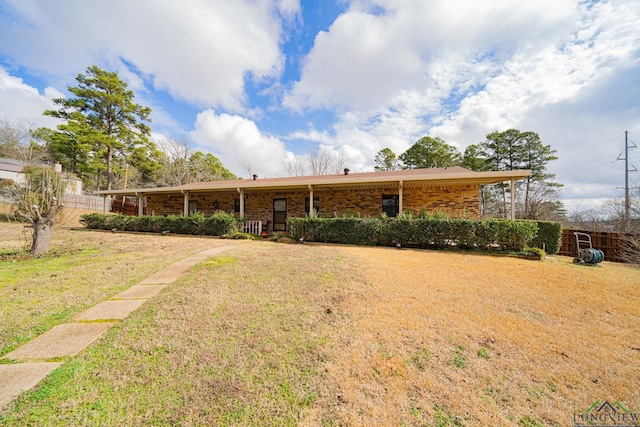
(512,150)
(474,160)
(104,127)
(386,160)
(430,152)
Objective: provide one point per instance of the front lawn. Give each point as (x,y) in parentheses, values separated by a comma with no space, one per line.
(83,269)
(276,334)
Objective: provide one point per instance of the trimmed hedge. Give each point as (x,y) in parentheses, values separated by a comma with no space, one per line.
(217,224)
(428,233)
(549,237)
(434,233)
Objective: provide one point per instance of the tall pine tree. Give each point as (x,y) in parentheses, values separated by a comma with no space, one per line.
(104,128)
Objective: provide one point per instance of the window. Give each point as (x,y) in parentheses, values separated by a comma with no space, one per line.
(193,206)
(236,205)
(390,204)
(316,205)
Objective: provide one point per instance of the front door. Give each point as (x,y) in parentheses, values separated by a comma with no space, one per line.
(279,214)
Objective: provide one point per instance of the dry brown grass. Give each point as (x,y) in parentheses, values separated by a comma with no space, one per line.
(67,218)
(325,335)
(537,339)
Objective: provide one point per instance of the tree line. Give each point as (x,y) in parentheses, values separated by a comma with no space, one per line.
(536,196)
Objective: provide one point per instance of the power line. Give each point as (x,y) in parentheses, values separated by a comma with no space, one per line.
(581,165)
(588,169)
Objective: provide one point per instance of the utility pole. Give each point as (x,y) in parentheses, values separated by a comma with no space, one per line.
(627,201)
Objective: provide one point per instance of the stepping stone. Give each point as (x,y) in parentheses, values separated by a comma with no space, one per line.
(108,310)
(15,379)
(174,271)
(63,340)
(140,292)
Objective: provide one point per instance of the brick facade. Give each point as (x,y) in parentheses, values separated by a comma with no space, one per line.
(454,200)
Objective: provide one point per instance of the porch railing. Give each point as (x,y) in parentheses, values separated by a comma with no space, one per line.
(251,227)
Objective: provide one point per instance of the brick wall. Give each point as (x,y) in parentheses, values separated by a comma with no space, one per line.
(455,200)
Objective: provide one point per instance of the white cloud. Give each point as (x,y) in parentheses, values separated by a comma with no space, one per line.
(200,51)
(397,70)
(240,145)
(24,103)
(387,71)
(367,57)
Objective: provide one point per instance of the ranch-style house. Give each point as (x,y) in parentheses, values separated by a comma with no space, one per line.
(270,201)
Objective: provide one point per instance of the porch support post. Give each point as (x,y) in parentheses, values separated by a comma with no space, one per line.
(400,188)
(104,204)
(140,205)
(312,212)
(241,192)
(186,203)
(513,199)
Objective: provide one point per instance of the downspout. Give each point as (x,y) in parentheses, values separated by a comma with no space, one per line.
(400,188)
(241,192)
(186,203)
(312,212)
(513,199)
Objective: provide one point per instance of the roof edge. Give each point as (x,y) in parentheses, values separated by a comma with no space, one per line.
(489,177)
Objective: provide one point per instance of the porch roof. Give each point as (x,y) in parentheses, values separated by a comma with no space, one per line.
(433,176)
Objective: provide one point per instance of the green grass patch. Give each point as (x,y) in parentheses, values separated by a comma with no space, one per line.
(225,345)
(484,353)
(459,357)
(420,359)
(444,419)
(530,421)
(82,269)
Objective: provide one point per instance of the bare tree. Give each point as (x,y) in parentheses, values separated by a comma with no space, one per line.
(175,162)
(631,249)
(298,166)
(324,161)
(38,200)
(630,252)
(19,141)
(541,201)
(180,164)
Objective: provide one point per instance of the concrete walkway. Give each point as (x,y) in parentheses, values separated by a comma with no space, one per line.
(68,339)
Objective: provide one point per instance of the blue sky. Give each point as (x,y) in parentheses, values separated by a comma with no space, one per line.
(260,82)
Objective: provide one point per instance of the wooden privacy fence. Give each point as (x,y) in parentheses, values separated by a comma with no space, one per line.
(128,208)
(609,243)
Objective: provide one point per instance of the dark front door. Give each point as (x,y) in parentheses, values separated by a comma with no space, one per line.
(279,214)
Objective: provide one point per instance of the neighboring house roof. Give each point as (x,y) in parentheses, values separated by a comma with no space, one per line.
(434,176)
(11,165)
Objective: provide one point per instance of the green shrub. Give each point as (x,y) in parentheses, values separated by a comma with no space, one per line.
(549,237)
(422,232)
(239,235)
(514,235)
(198,224)
(537,252)
(93,221)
